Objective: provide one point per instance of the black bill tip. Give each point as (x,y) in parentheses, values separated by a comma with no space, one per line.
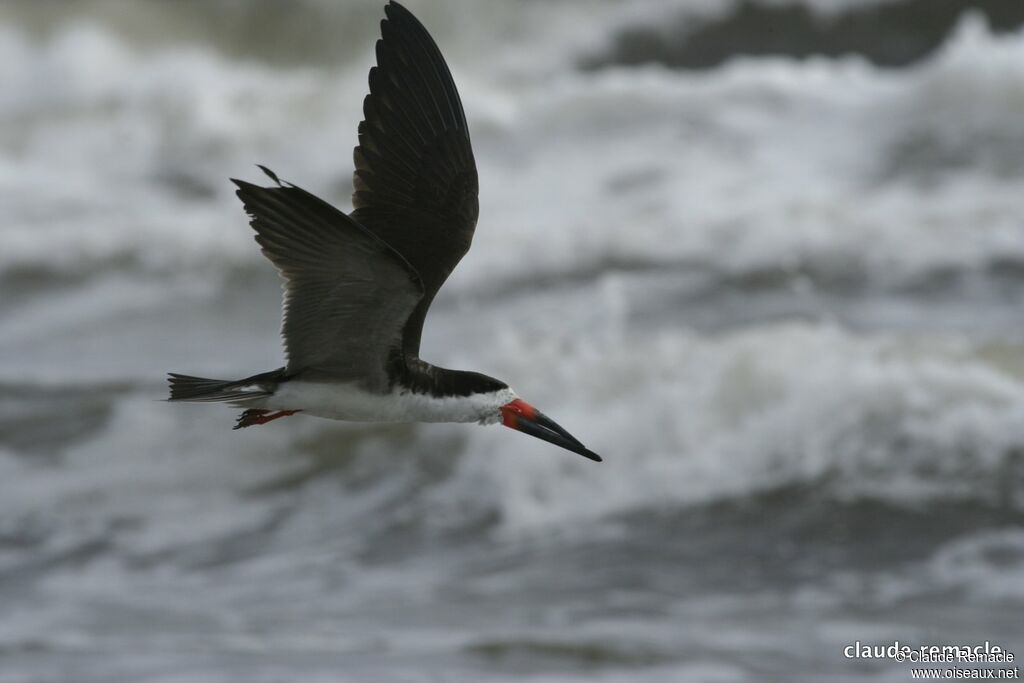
(523,417)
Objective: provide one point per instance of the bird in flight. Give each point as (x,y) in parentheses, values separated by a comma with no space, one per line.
(358,286)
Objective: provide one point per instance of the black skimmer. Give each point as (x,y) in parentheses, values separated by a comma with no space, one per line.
(358,286)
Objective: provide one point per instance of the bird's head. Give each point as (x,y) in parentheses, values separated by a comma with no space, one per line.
(519,415)
(494,401)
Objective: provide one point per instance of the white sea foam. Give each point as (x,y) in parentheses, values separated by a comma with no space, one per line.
(762,164)
(988,565)
(684,420)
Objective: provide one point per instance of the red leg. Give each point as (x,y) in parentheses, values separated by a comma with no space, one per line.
(256,416)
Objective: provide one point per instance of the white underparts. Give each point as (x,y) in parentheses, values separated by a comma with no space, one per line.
(350,402)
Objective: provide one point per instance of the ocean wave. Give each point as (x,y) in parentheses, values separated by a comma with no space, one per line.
(763,165)
(891,33)
(686,421)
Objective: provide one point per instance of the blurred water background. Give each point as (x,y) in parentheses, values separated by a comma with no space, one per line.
(766,257)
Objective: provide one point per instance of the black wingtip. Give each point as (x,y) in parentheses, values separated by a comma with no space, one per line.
(270,174)
(587,453)
(244,188)
(397,12)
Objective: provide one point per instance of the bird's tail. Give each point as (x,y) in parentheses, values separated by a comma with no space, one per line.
(203,390)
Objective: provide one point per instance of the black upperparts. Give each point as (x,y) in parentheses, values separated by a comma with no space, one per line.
(423,378)
(415,180)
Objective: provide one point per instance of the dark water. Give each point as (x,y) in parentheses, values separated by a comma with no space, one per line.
(893,34)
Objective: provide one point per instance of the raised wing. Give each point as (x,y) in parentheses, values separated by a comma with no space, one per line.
(415,179)
(348,295)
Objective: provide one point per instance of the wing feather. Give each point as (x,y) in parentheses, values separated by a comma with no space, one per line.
(415,181)
(348,295)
